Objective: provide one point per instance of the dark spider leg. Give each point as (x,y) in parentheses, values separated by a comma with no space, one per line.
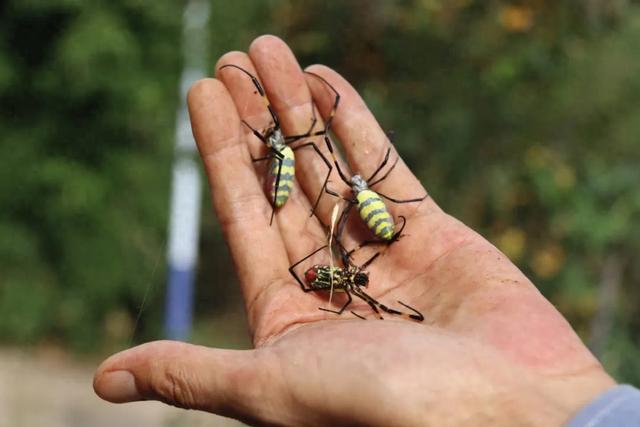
(256,133)
(324,184)
(337,236)
(335,102)
(357,315)
(369,261)
(403,201)
(260,159)
(295,276)
(372,303)
(396,236)
(272,153)
(275,192)
(261,137)
(333,155)
(417,316)
(383,164)
(293,138)
(261,91)
(383,177)
(339,312)
(333,193)
(342,221)
(327,126)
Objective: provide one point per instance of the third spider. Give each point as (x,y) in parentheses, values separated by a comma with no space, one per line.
(349,279)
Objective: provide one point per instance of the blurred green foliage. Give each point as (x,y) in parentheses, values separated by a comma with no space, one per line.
(519,117)
(87,102)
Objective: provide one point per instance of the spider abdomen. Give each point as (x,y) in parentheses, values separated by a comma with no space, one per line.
(287,173)
(374,213)
(324,277)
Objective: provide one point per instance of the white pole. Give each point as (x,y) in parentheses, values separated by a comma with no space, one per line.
(184,214)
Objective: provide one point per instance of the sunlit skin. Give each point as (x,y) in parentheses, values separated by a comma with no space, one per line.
(491,350)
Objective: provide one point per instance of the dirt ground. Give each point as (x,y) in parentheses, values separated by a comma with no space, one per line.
(52,390)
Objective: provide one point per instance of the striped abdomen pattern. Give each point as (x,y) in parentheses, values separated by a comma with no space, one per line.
(319,277)
(287,172)
(375,214)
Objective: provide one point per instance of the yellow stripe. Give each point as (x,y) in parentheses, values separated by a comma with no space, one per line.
(372,202)
(275,165)
(285,169)
(282,191)
(375,218)
(287,152)
(388,232)
(373,205)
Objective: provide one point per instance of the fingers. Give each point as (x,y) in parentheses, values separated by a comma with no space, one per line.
(225,382)
(246,96)
(290,96)
(243,211)
(364,141)
(293,218)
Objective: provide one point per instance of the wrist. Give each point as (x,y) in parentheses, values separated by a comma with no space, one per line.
(557,400)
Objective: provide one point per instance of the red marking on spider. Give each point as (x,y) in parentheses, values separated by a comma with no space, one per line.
(310,275)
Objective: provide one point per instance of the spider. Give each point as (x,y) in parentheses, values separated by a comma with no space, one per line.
(372,208)
(349,279)
(282,167)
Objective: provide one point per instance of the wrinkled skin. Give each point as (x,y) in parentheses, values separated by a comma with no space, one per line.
(491,351)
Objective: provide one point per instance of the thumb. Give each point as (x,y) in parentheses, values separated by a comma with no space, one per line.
(226,382)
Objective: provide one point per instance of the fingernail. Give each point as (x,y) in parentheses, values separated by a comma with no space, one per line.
(118,387)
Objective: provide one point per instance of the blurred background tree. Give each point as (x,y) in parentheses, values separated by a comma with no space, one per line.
(519,116)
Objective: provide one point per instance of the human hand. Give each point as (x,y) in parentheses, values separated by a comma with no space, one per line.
(491,350)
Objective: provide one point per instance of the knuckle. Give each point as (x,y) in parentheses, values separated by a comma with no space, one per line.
(178,387)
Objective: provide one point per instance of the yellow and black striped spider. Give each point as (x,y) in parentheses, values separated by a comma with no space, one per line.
(350,279)
(282,167)
(371,207)
(373,210)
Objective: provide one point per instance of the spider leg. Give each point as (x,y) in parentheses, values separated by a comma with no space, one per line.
(261,91)
(293,138)
(275,192)
(396,236)
(260,159)
(256,133)
(369,261)
(333,156)
(338,312)
(386,174)
(335,102)
(404,201)
(272,153)
(326,180)
(293,266)
(372,302)
(357,315)
(418,316)
(327,126)
(383,164)
(341,224)
(333,193)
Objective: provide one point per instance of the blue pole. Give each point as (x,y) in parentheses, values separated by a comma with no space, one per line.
(184,214)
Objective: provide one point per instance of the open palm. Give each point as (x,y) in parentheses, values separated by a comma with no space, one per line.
(490,346)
